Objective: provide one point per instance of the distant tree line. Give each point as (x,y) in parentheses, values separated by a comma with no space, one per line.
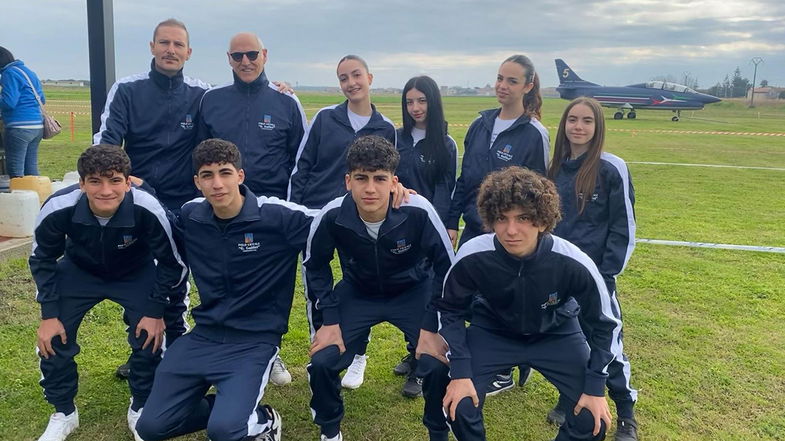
(733,86)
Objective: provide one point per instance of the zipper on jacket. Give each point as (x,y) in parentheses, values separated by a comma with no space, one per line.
(103,247)
(378,268)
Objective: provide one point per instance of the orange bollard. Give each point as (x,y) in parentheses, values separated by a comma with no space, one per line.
(72,126)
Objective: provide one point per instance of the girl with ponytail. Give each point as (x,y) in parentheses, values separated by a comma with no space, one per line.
(499,138)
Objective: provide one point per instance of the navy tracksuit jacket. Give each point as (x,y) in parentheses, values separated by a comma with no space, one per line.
(154,117)
(393,278)
(318,176)
(606,228)
(245,270)
(246,273)
(266,125)
(412,172)
(76,263)
(606,232)
(524,144)
(524,310)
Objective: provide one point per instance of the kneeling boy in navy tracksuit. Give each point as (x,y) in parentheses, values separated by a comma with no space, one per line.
(525,291)
(393,263)
(242,250)
(92,242)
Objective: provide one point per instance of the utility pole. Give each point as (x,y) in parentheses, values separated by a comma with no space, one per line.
(756,61)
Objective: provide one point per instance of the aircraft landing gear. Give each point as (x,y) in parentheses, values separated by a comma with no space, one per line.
(676,117)
(631,115)
(618,115)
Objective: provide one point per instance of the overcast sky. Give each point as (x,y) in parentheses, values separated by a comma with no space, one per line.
(458,42)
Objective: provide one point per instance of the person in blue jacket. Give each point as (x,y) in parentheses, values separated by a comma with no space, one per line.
(318,176)
(429,156)
(429,161)
(101,239)
(21,115)
(393,263)
(153,116)
(267,126)
(242,250)
(525,291)
(499,138)
(598,216)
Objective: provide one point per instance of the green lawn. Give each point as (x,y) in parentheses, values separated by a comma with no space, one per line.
(703,327)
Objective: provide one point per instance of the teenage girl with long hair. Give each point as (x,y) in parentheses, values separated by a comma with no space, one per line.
(509,135)
(429,162)
(429,158)
(598,216)
(320,165)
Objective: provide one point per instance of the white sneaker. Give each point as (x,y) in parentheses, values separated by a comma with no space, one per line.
(338,437)
(60,426)
(355,374)
(276,426)
(279,375)
(132,417)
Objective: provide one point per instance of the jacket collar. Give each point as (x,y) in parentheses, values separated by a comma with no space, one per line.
(123,217)
(348,217)
(342,115)
(15,63)
(489,118)
(248,213)
(544,243)
(252,87)
(574,164)
(163,81)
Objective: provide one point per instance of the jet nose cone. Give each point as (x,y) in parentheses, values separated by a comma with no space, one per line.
(708,99)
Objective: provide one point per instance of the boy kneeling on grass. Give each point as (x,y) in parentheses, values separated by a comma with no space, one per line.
(242,251)
(393,262)
(525,291)
(94,241)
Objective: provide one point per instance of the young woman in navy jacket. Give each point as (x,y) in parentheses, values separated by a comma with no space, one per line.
(499,138)
(320,164)
(598,216)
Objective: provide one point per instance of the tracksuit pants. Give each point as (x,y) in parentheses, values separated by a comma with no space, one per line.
(79,291)
(358,314)
(178,405)
(561,359)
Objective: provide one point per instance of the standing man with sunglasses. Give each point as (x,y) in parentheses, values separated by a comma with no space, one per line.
(266,125)
(153,116)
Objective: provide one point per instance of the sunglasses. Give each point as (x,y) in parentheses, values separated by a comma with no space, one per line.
(238,56)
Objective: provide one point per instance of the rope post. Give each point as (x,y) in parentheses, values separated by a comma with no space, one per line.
(72,126)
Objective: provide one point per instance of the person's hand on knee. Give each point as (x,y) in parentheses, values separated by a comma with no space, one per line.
(327,335)
(431,343)
(457,390)
(598,406)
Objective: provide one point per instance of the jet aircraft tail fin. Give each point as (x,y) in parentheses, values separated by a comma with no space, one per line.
(568,76)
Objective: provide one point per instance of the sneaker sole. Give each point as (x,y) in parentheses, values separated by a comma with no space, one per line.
(498,391)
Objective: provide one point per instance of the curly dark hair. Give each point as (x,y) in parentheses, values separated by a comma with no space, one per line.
(518,187)
(102,160)
(216,151)
(372,153)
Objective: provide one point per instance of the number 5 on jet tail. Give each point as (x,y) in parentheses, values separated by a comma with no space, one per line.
(654,95)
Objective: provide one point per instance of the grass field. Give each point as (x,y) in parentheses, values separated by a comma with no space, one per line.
(703,328)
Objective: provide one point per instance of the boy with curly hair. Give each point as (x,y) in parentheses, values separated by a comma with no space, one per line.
(525,291)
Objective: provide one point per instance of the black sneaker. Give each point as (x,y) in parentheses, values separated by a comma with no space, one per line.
(123,371)
(405,365)
(412,388)
(525,373)
(626,429)
(501,383)
(556,416)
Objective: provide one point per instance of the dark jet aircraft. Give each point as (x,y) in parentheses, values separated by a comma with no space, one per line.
(655,95)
